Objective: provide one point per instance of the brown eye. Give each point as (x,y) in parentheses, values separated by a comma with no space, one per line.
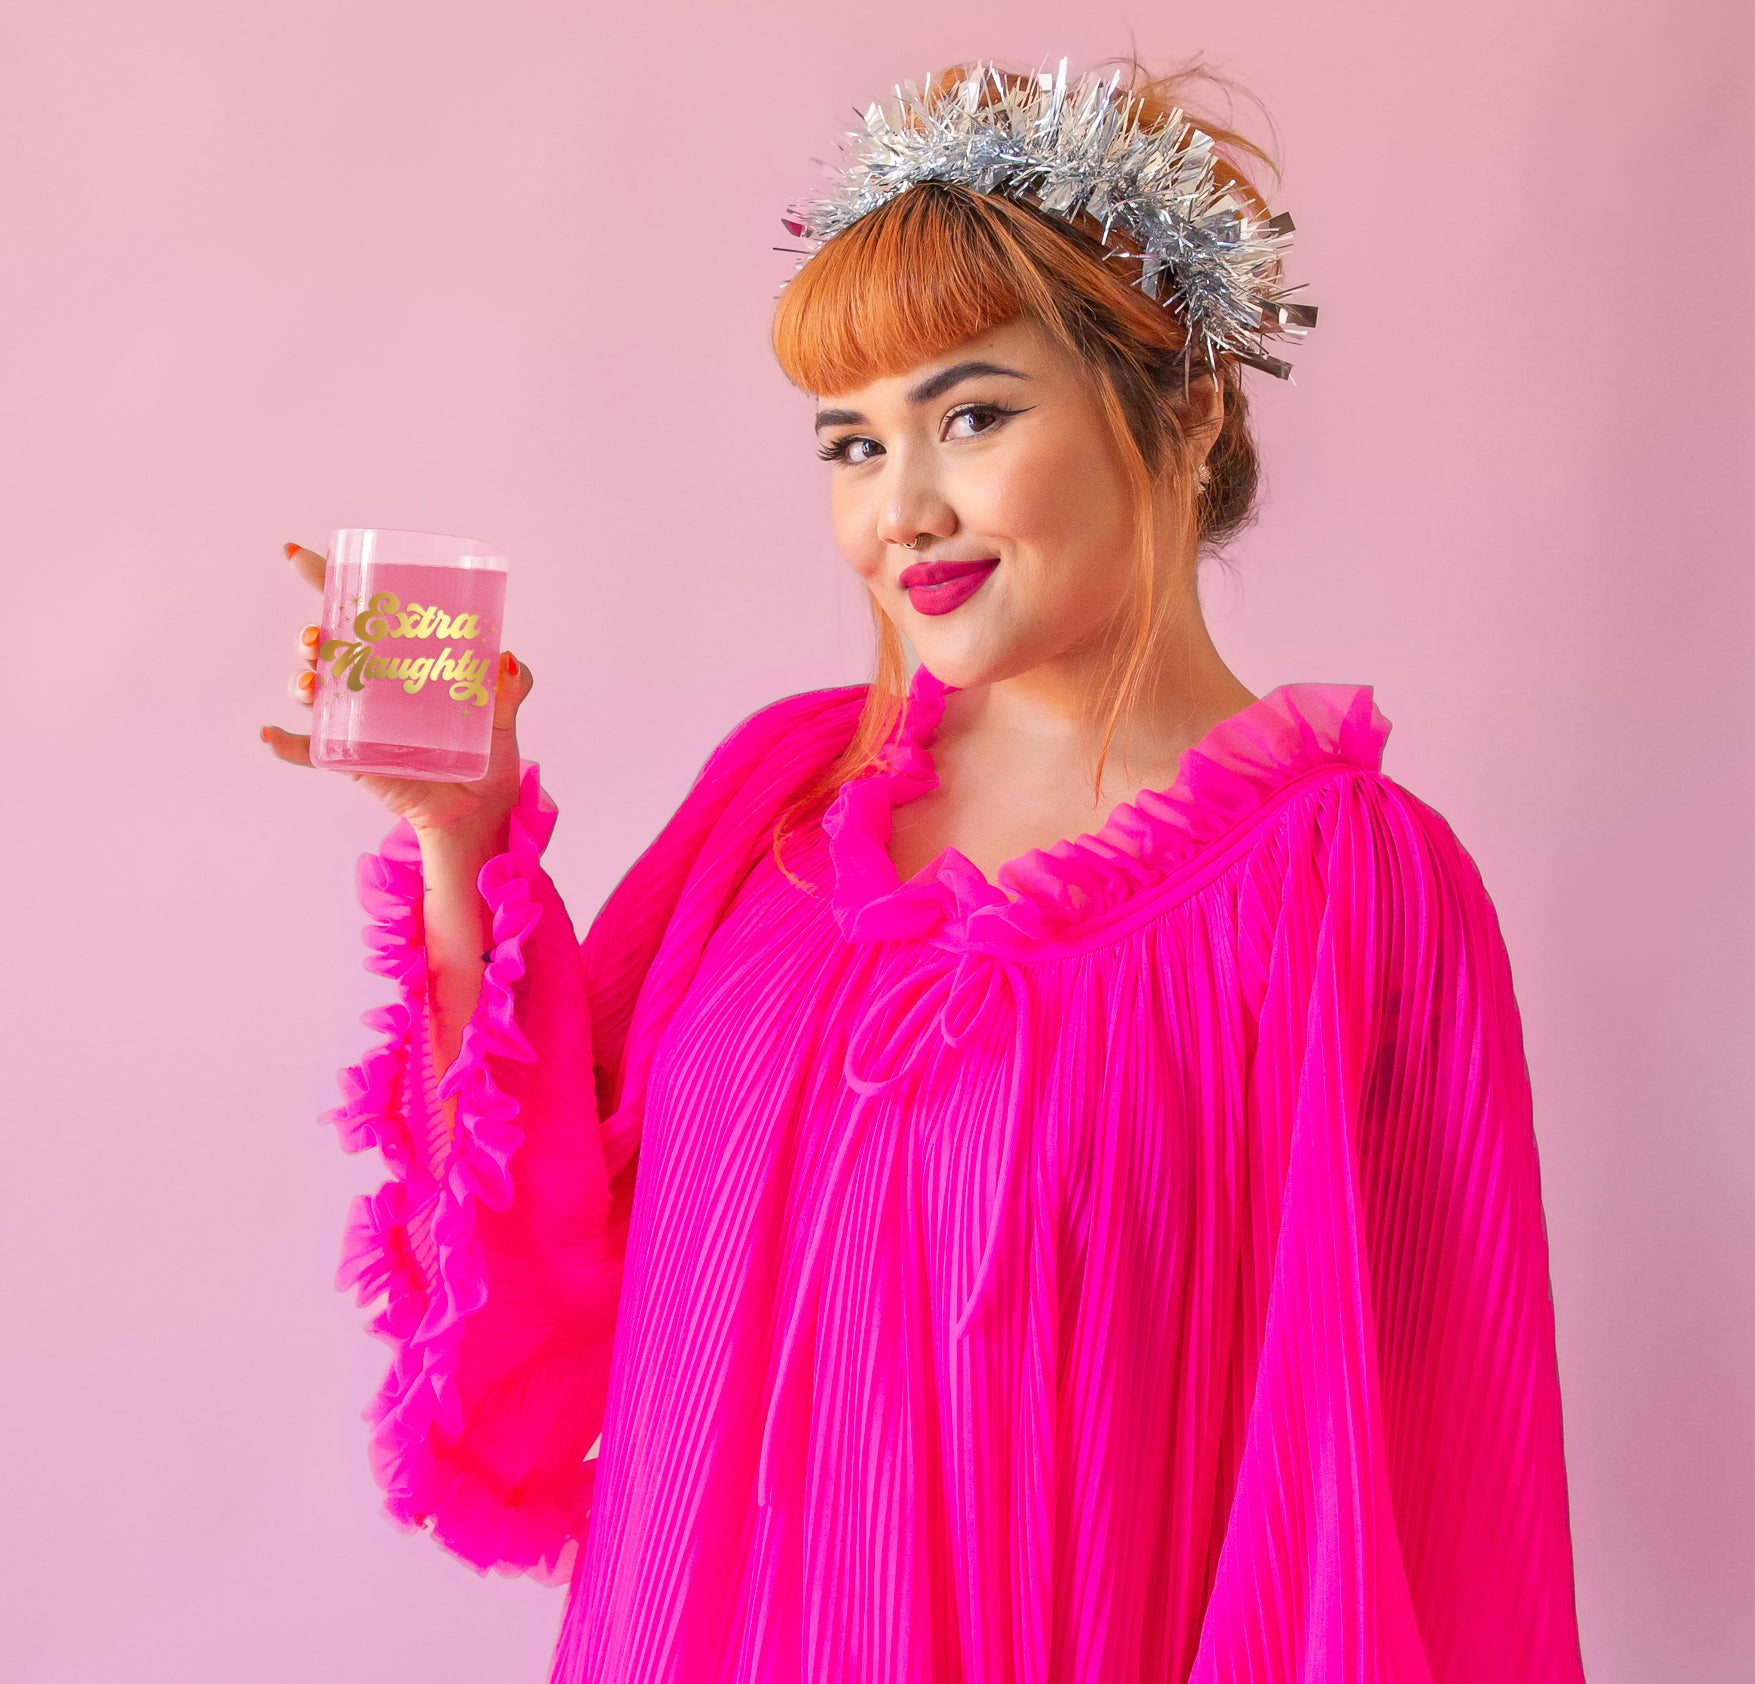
(838,451)
(996,412)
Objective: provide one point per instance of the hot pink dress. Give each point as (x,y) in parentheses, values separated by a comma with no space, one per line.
(1133,1270)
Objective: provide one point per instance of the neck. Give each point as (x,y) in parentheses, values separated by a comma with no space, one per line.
(1061,706)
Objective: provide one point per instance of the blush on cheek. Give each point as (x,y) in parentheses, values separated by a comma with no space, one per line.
(1067,483)
(857,544)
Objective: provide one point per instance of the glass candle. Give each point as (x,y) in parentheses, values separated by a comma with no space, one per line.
(408,654)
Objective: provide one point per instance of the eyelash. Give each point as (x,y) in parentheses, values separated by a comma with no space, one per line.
(837,452)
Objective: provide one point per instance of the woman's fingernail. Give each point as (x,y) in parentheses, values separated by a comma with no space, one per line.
(263,733)
(309,635)
(290,550)
(307,681)
(511,663)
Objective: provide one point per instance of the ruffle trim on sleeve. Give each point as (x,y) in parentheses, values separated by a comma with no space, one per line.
(414,1240)
(1046,894)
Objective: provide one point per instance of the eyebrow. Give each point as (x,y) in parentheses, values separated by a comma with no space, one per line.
(933,386)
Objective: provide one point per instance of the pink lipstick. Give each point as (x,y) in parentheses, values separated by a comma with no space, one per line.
(936,587)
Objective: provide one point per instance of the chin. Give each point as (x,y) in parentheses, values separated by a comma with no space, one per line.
(954,661)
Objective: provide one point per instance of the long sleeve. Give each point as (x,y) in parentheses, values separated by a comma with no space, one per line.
(1400,1508)
(498,1239)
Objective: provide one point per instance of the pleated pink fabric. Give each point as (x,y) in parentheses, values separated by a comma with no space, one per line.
(1131,1269)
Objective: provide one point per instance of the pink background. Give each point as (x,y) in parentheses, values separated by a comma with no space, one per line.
(507,271)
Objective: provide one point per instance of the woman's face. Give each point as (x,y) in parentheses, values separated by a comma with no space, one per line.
(997,454)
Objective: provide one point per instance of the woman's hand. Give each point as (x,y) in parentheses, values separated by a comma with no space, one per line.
(458,810)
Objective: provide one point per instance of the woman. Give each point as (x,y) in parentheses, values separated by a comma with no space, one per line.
(1011,1211)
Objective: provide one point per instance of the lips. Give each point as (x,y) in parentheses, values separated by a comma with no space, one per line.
(937,572)
(936,587)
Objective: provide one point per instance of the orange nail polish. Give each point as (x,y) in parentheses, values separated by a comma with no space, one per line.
(511,663)
(289,548)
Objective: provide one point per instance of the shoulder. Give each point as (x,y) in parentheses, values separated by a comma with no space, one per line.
(738,788)
(786,735)
(1368,839)
(776,720)
(1402,900)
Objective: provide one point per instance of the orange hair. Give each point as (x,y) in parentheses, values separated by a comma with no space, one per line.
(940,263)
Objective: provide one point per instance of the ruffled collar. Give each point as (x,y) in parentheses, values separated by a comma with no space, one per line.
(1048,894)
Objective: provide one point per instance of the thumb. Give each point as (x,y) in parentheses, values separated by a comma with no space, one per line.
(512,684)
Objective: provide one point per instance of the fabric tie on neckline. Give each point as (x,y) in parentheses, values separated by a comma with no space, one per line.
(887,1046)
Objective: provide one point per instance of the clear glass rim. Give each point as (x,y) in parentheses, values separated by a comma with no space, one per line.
(472,551)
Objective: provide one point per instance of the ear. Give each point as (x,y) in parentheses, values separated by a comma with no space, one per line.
(1203,410)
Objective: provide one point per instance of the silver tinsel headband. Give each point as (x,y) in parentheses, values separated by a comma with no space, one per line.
(1080,151)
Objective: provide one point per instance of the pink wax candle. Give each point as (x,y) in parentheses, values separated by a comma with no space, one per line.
(409,651)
